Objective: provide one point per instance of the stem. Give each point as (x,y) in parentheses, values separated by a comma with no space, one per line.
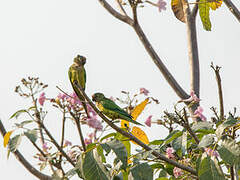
(37,114)
(189,129)
(24,162)
(133,138)
(63,131)
(220,93)
(56,144)
(232,8)
(79,130)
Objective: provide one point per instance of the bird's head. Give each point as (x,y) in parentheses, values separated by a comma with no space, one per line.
(98,97)
(79,60)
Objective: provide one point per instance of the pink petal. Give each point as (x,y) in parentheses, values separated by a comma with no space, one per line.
(148,121)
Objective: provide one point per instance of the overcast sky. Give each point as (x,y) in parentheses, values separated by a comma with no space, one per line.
(40,38)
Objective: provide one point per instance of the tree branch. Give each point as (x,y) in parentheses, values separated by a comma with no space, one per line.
(167,75)
(24,162)
(121,8)
(158,62)
(116,14)
(56,144)
(192,49)
(220,93)
(79,130)
(232,8)
(133,138)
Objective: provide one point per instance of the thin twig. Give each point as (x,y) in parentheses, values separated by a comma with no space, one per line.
(232,8)
(63,131)
(189,129)
(220,93)
(121,8)
(56,144)
(215,113)
(37,114)
(79,130)
(24,162)
(133,138)
(43,154)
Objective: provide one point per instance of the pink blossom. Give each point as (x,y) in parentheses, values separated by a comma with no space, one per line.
(144,91)
(61,96)
(177,172)
(73,100)
(169,152)
(148,121)
(42,99)
(45,147)
(161,4)
(92,135)
(67,143)
(193,97)
(198,113)
(211,152)
(91,111)
(87,141)
(93,122)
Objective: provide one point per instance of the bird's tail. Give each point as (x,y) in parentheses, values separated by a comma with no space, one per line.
(85,108)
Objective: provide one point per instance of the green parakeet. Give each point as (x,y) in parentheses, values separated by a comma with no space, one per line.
(111,109)
(77,73)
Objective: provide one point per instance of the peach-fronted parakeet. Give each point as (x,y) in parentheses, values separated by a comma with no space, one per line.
(77,73)
(111,109)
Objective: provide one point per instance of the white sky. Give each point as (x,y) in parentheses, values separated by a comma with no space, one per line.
(40,38)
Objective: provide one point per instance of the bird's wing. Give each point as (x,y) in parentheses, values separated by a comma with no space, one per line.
(112,106)
(77,74)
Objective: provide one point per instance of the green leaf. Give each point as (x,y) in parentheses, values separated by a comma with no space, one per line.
(204,14)
(142,172)
(206,141)
(14,143)
(202,125)
(180,144)
(31,135)
(100,153)
(119,149)
(162,174)
(228,123)
(91,146)
(229,151)
(107,136)
(173,135)
(156,142)
(157,166)
(162,178)
(23,123)
(16,114)
(209,169)
(92,167)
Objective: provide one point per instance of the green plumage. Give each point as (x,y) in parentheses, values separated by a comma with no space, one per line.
(111,109)
(77,74)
